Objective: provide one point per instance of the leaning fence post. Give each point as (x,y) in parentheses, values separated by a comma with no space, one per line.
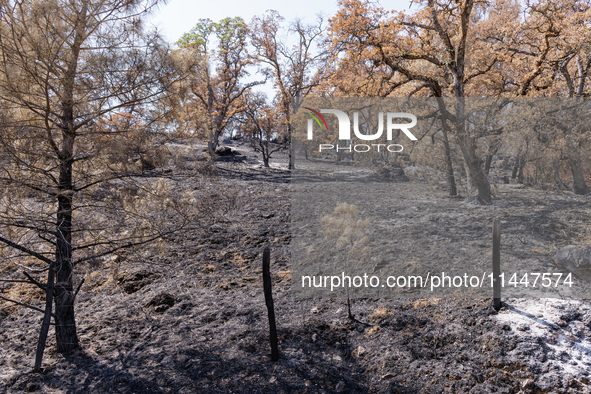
(46,320)
(269,302)
(496,257)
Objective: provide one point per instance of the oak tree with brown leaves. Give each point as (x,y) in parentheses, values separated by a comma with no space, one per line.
(221,62)
(430,50)
(291,67)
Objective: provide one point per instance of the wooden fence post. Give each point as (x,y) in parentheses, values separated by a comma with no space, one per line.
(496,257)
(269,301)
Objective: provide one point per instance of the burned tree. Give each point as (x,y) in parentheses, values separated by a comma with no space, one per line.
(290,68)
(262,123)
(68,68)
(217,81)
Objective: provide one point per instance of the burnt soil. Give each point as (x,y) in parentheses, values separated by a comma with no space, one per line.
(190,317)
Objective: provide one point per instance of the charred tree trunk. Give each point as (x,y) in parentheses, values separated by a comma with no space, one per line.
(480,180)
(213,142)
(473,164)
(211,145)
(520,172)
(576,167)
(264,146)
(291,164)
(492,151)
(63,295)
(46,319)
(556,174)
(487,163)
(65,323)
(465,140)
(470,186)
(579,185)
(451,179)
(515,167)
(289,153)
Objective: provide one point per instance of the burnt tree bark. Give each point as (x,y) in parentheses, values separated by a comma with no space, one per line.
(487,163)
(474,167)
(556,174)
(68,70)
(516,167)
(451,179)
(579,185)
(65,323)
(46,318)
(576,165)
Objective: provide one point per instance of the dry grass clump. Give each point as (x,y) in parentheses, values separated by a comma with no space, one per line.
(21,292)
(380,313)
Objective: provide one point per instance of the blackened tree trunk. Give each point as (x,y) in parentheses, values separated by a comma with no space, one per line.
(266,154)
(492,151)
(579,185)
(474,167)
(576,165)
(465,140)
(291,164)
(556,174)
(65,323)
(451,179)
(211,147)
(467,145)
(520,172)
(515,167)
(487,163)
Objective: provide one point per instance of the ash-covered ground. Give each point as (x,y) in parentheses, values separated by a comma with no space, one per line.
(189,315)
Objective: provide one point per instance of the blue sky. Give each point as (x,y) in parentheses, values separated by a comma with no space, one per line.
(179,16)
